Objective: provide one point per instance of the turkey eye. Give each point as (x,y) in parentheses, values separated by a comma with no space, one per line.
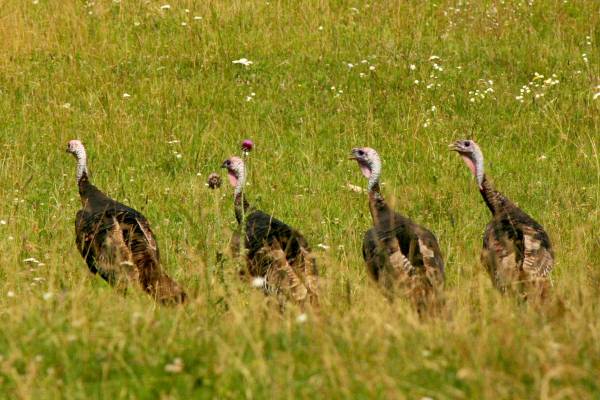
(467,144)
(360,153)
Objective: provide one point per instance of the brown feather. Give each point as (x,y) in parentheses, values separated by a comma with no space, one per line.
(516,250)
(117,243)
(403,256)
(279,254)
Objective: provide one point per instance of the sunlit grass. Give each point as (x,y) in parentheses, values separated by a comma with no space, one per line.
(155,95)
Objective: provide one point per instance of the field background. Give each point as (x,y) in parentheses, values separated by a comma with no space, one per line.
(153,93)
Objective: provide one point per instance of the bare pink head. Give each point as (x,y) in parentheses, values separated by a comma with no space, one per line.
(236,172)
(472,156)
(76,148)
(369,162)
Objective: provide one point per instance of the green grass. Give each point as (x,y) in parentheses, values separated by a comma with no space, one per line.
(64,68)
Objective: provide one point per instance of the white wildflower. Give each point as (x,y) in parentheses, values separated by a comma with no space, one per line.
(175,367)
(126,95)
(372,68)
(47,296)
(258,282)
(2,222)
(10,293)
(323,246)
(244,61)
(165,7)
(412,67)
(302,318)
(354,188)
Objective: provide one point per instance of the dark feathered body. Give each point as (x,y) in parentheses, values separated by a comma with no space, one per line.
(280,254)
(117,243)
(399,252)
(407,233)
(517,252)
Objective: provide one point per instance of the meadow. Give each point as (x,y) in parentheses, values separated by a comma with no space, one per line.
(152,90)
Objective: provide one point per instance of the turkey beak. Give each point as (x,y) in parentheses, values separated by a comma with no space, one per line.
(453,147)
(224,165)
(351,157)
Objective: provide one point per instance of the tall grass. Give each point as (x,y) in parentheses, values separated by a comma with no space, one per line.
(128,77)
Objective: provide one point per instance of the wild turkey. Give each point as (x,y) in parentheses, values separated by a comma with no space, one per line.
(399,253)
(517,253)
(116,241)
(275,252)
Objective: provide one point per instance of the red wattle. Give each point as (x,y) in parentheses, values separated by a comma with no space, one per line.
(233,180)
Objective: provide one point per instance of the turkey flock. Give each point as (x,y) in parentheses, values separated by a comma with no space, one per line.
(402,257)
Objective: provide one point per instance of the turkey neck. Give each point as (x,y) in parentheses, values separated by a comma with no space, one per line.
(81,157)
(239,210)
(83,182)
(239,200)
(376,201)
(494,200)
